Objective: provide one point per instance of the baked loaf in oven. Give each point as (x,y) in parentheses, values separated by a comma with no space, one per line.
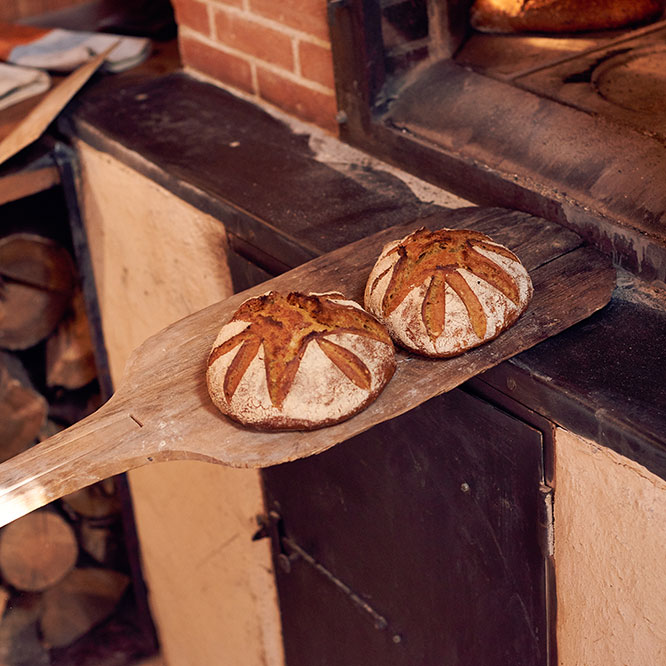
(298,361)
(556,16)
(443,292)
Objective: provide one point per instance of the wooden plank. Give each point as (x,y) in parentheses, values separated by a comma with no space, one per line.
(18,185)
(46,110)
(162,411)
(12,116)
(22,9)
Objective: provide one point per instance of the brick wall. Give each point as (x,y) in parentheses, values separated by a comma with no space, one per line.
(277,50)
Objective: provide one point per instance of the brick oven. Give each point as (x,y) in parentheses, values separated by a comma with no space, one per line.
(391,56)
(516,519)
(278,52)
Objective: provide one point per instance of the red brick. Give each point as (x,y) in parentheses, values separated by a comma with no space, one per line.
(305,15)
(216,64)
(305,103)
(316,64)
(254,39)
(193,14)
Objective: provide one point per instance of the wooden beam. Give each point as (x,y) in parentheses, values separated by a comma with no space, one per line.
(19,185)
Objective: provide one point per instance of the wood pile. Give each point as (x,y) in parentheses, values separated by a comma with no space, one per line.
(63,569)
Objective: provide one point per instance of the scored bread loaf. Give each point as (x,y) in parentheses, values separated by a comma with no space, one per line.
(443,292)
(558,16)
(298,361)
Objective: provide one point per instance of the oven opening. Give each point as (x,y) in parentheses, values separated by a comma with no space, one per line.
(548,106)
(610,62)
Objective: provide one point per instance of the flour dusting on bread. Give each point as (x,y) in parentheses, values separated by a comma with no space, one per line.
(443,292)
(299,361)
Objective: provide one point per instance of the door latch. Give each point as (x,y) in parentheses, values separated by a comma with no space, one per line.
(271,526)
(287,552)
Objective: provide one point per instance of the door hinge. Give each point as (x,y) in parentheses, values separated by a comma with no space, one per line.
(271,526)
(547,521)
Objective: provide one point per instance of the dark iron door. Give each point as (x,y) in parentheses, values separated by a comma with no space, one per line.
(417,543)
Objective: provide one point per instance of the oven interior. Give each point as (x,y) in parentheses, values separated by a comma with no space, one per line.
(618,73)
(568,126)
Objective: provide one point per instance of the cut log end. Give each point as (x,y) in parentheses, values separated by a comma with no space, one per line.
(70,359)
(37,277)
(83,599)
(37,551)
(23,411)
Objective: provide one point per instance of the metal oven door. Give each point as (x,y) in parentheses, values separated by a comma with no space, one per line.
(419,542)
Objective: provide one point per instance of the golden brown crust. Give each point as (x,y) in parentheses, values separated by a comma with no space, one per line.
(289,337)
(557,16)
(443,292)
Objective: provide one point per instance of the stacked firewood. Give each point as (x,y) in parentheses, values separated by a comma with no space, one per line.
(41,312)
(63,569)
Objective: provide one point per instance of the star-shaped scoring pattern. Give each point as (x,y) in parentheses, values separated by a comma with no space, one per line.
(285,325)
(435,257)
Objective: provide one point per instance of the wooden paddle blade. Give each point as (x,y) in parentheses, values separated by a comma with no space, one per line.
(162,410)
(93,449)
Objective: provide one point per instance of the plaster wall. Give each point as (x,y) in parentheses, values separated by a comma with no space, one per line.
(211,588)
(610,557)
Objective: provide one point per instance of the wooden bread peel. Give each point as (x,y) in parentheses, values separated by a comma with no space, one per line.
(161,410)
(48,108)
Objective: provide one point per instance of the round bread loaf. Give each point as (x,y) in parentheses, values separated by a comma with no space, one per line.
(298,362)
(443,292)
(558,16)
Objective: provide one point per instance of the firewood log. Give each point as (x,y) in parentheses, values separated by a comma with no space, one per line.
(37,550)
(4,600)
(22,410)
(97,501)
(104,543)
(70,359)
(19,633)
(69,406)
(49,429)
(83,599)
(95,513)
(36,282)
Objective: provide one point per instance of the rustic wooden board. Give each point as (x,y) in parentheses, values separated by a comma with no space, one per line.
(161,411)
(18,185)
(32,126)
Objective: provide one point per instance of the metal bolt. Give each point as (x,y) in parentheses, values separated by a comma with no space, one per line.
(397,638)
(465,487)
(341,117)
(284,562)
